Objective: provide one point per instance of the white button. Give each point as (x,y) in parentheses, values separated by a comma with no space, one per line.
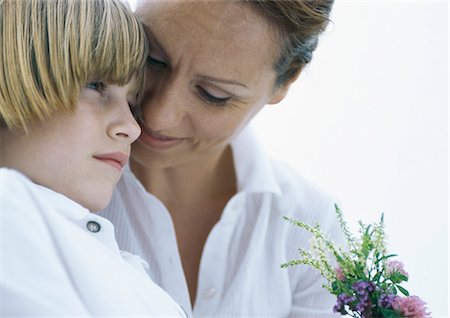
(93,226)
(209,293)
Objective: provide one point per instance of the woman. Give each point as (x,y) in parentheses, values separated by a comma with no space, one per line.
(200,200)
(66,87)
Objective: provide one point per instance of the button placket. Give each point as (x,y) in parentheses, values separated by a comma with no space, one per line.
(212,270)
(209,292)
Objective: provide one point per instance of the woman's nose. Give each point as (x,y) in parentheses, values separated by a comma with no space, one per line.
(163,105)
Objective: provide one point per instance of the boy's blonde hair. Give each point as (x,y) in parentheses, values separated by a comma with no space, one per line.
(50,49)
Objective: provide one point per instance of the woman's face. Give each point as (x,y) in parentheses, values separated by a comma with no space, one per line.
(210,70)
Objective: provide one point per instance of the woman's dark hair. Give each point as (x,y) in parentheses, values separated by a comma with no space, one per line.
(300,23)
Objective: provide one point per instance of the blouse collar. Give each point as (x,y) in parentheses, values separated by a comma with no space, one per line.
(254,170)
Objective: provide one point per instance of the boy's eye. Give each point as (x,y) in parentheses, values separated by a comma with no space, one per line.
(156,64)
(97,86)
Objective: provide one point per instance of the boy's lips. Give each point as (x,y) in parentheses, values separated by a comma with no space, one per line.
(116,159)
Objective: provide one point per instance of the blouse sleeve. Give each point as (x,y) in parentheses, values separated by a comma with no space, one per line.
(309,298)
(311,205)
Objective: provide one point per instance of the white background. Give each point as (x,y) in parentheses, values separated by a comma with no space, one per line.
(368,122)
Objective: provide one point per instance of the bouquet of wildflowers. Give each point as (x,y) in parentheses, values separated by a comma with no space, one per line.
(364,277)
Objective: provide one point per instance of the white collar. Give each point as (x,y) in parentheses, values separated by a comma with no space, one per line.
(69,208)
(254,170)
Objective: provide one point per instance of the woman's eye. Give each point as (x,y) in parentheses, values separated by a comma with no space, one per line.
(156,64)
(211,99)
(97,86)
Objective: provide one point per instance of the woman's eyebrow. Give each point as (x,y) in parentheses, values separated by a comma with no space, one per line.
(219,80)
(154,42)
(152,39)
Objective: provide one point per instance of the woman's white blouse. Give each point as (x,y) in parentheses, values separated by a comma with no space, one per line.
(58,259)
(240,274)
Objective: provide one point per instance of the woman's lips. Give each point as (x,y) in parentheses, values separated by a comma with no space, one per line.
(116,159)
(158,141)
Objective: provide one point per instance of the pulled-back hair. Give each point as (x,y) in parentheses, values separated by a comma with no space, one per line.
(50,49)
(299,22)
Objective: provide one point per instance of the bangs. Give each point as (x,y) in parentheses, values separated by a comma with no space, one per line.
(114,51)
(50,49)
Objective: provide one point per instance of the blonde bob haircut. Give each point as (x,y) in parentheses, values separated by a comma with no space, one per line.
(50,49)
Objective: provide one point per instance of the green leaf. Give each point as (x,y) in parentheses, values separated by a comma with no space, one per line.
(397,277)
(404,278)
(389,313)
(386,257)
(339,259)
(334,286)
(377,277)
(403,290)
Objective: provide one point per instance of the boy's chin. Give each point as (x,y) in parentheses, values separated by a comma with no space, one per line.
(97,204)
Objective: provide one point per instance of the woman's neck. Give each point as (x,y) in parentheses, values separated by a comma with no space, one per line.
(203,180)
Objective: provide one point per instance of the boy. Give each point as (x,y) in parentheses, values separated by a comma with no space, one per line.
(70,71)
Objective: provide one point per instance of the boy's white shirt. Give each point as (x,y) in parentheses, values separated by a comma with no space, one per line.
(52,264)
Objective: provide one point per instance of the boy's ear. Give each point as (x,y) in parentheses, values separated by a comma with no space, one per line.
(280,93)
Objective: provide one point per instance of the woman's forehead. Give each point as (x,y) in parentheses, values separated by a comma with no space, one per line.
(225,33)
(213,17)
